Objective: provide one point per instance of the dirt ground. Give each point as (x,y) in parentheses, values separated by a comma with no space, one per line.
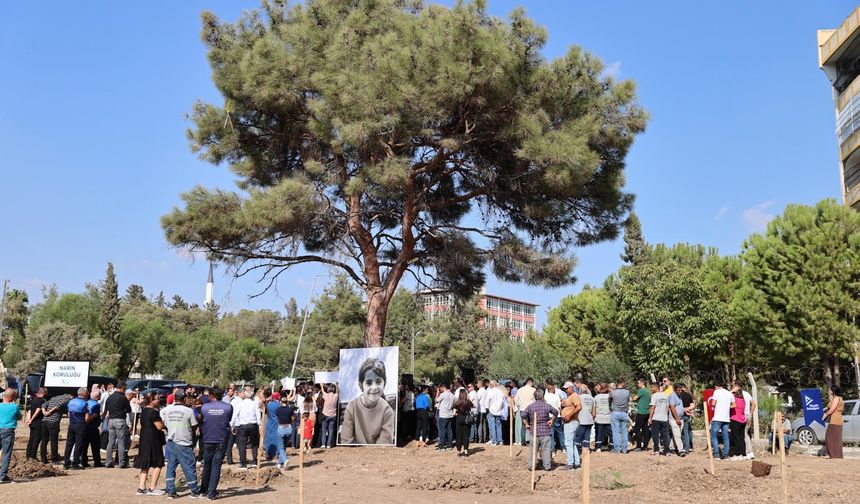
(490,475)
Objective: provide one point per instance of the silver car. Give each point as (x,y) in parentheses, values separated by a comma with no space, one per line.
(809,435)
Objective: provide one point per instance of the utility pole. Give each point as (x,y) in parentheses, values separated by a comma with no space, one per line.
(3,309)
(305,321)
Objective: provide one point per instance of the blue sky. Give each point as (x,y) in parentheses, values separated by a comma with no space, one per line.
(94,97)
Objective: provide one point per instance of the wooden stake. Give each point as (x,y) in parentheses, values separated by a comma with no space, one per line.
(262,452)
(773,441)
(534,449)
(511,419)
(302,472)
(586,474)
(708,437)
(782,459)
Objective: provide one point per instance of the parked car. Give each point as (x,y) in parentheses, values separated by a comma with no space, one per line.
(814,434)
(151,384)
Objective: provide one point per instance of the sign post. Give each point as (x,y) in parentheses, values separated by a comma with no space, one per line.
(534,449)
(708,437)
(782,459)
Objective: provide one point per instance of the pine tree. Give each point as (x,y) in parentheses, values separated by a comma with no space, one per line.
(134,294)
(109,319)
(376,128)
(178,303)
(160,301)
(636,250)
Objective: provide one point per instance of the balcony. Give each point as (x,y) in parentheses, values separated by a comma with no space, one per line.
(832,47)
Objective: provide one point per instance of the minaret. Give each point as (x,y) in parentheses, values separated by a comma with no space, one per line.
(210,286)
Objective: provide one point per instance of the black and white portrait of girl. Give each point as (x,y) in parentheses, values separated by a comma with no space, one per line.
(369,419)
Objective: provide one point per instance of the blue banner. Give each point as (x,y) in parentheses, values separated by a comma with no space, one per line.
(813,409)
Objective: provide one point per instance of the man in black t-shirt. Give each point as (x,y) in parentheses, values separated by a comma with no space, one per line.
(34,420)
(689,405)
(117,408)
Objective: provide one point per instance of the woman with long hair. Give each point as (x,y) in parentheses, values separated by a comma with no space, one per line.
(150,452)
(737,426)
(462,408)
(833,435)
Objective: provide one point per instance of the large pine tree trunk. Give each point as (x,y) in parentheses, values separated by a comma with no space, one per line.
(828,378)
(377,312)
(837,372)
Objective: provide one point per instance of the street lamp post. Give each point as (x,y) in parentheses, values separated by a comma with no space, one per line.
(304,322)
(414,335)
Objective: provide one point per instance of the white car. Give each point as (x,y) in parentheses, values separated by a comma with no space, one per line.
(809,435)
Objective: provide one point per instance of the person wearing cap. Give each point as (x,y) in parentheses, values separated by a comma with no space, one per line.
(570,416)
(179,420)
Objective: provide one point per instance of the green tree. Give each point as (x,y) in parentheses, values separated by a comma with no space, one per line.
(581,326)
(372,128)
(607,367)
(636,249)
(805,277)
(16,312)
(78,310)
(335,322)
(264,326)
(669,319)
(532,358)
(117,358)
(134,294)
(58,341)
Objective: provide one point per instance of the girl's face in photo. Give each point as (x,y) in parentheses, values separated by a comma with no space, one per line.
(372,389)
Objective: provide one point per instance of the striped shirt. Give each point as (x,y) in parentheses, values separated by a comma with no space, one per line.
(544,413)
(60,402)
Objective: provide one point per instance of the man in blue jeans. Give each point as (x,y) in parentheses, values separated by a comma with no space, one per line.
(445,412)
(723,401)
(179,420)
(9,416)
(619,402)
(689,407)
(216,416)
(569,414)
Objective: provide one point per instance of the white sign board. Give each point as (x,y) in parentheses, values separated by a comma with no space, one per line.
(67,374)
(326,376)
(289,383)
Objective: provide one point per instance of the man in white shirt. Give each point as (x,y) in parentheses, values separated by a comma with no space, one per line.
(245,425)
(496,404)
(482,412)
(473,398)
(445,415)
(525,396)
(723,401)
(553,398)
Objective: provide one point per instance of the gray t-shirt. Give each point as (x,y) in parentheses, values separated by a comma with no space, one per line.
(604,416)
(587,401)
(620,399)
(661,407)
(178,420)
(445,404)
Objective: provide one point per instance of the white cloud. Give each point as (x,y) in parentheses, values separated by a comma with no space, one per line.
(721,213)
(613,69)
(757,217)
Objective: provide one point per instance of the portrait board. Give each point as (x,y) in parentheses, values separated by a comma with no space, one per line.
(368,395)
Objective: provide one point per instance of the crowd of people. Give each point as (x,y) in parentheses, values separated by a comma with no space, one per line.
(576,416)
(202,427)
